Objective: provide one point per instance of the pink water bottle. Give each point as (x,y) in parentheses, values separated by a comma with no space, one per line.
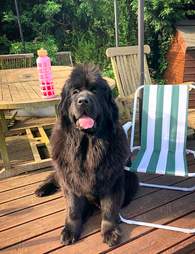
(45,75)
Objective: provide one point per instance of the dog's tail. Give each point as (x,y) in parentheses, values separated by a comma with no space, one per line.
(131,186)
(48,187)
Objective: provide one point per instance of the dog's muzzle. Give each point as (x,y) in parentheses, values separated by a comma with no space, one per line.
(85,112)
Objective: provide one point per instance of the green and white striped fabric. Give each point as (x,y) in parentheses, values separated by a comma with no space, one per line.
(164,130)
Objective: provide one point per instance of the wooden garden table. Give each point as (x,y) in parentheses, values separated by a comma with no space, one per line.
(19,89)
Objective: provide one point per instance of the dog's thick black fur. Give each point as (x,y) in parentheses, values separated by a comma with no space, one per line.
(89,162)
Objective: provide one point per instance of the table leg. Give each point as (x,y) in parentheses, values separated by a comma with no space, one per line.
(3,121)
(56,111)
(3,147)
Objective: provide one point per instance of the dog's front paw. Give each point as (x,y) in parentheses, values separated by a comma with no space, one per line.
(68,236)
(46,190)
(112,236)
(40,191)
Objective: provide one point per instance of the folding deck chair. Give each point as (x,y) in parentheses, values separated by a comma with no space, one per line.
(163,138)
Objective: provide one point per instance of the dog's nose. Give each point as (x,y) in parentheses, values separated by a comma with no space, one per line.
(82,100)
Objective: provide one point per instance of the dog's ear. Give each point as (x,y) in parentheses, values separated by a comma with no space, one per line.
(63,107)
(113,107)
(113,115)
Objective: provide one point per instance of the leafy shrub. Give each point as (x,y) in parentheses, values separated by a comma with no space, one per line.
(4,44)
(85,51)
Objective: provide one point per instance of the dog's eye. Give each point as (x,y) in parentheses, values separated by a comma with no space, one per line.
(75,91)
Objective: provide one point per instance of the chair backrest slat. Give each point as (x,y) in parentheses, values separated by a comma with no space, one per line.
(122,72)
(117,76)
(133,78)
(129,75)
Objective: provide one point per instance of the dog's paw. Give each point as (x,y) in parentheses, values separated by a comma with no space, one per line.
(46,190)
(41,191)
(68,236)
(112,236)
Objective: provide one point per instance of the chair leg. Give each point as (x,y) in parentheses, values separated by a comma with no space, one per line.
(153,225)
(186,189)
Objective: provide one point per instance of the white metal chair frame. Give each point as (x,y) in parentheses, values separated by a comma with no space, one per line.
(126,127)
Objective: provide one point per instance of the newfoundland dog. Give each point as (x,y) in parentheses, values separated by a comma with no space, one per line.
(89,152)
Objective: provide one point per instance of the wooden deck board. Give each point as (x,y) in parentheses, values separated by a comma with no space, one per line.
(29,224)
(186,246)
(26,215)
(17,194)
(6,184)
(25,202)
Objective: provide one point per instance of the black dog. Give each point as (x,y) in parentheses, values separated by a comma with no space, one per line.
(89,152)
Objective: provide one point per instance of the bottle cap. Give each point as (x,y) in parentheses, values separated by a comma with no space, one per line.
(42,52)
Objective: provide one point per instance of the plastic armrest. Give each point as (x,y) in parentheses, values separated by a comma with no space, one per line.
(126,127)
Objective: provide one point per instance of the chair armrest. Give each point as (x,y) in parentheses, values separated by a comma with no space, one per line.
(126,127)
(128,98)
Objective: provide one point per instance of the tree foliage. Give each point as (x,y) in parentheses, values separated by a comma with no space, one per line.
(86,27)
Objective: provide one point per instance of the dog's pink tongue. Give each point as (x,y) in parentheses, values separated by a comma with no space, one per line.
(86,122)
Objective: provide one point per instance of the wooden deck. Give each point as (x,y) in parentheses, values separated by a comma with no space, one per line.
(32,225)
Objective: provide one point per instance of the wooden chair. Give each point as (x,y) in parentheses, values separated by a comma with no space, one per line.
(64,58)
(16,61)
(126,71)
